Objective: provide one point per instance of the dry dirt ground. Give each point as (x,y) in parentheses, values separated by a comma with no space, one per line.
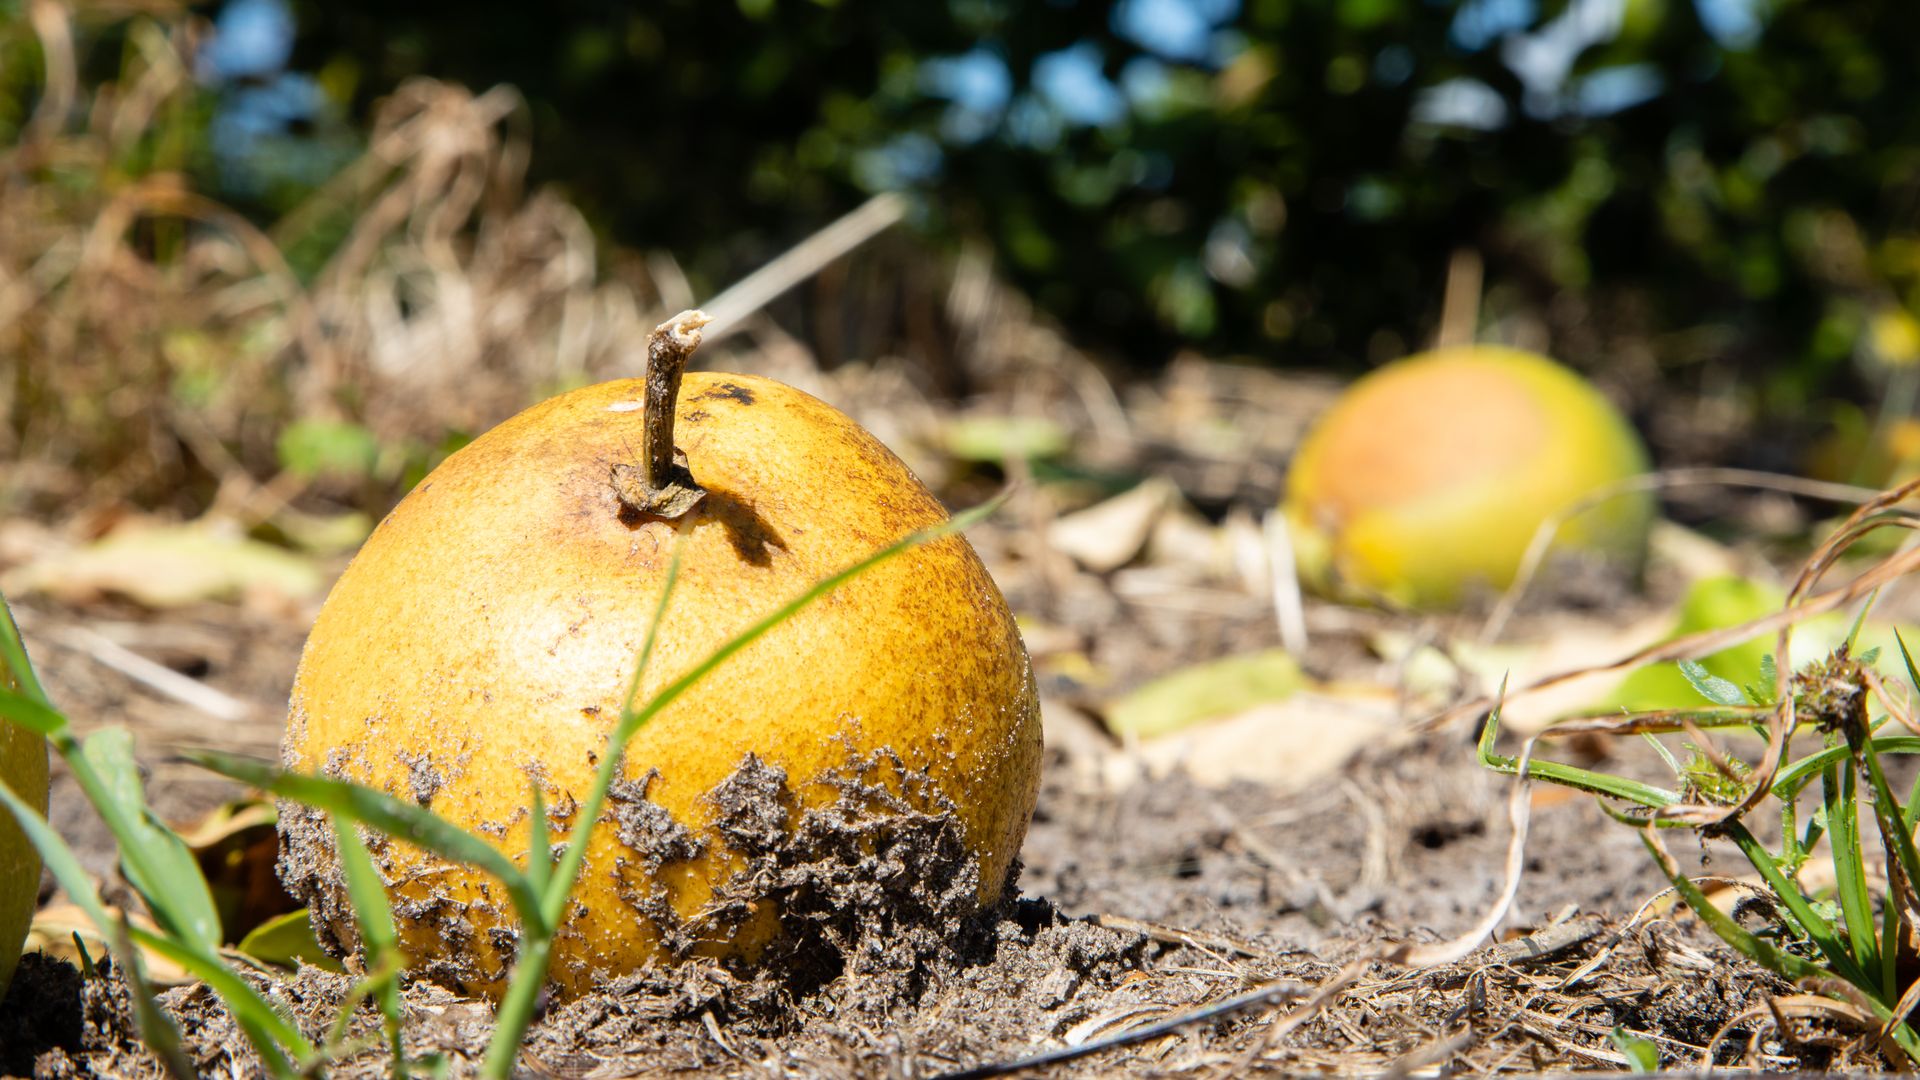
(1224,926)
(1138,904)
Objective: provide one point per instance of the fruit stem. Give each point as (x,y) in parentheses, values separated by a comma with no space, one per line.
(662,485)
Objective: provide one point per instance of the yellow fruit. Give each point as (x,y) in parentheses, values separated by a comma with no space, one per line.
(1428,479)
(23,767)
(485,635)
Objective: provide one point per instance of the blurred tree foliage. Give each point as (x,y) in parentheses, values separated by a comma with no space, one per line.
(1650,182)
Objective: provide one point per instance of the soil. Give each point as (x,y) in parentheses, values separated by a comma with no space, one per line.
(1134,905)
(1231,927)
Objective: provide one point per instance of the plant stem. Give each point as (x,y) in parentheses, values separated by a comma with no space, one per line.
(662,485)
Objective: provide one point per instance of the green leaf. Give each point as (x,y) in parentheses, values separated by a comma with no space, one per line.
(287,941)
(156,861)
(1841,794)
(1643,1057)
(14,653)
(315,448)
(401,820)
(265,1028)
(1205,692)
(1710,686)
(373,914)
(156,1028)
(30,714)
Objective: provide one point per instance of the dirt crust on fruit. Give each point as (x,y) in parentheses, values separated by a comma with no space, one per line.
(878,881)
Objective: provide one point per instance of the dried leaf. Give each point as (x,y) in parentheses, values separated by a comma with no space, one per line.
(1206,691)
(164,566)
(1106,536)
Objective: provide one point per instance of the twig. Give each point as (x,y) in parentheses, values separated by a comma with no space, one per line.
(1460,304)
(1267,994)
(1546,942)
(1537,549)
(1284,572)
(1519,812)
(802,261)
(157,677)
(1168,935)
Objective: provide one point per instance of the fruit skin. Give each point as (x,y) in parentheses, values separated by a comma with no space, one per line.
(1429,477)
(486,633)
(23,767)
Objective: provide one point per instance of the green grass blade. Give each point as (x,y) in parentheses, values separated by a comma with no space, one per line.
(401,820)
(1799,905)
(1789,782)
(31,714)
(539,844)
(14,653)
(58,858)
(156,1028)
(1618,787)
(156,861)
(1784,964)
(373,914)
(1849,866)
(265,1028)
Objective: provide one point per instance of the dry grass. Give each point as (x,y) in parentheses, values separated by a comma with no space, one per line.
(156,342)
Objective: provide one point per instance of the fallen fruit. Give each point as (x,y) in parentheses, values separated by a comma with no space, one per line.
(484,638)
(23,767)
(1429,477)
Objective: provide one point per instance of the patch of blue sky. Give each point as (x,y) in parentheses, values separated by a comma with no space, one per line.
(252,39)
(1073,83)
(1179,30)
(1460,103)
(1479,23)
(1735,24)
(977,79)
(903,161)
(1611,89)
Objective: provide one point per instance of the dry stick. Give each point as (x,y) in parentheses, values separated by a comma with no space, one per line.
(1460,304)
(1519,812)
(1543,536)
(1267,994)
(157,677)
(1168,935)
(1283,571)
(802,261)
(1694,645)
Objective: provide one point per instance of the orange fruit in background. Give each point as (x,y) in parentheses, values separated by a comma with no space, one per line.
(484,637)
(1428,478)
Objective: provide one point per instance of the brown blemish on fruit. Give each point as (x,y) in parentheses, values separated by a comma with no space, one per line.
(726,391)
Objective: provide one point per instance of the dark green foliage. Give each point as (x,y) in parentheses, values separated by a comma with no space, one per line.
(1764,193)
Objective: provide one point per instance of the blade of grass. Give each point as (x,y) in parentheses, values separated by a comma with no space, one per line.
(373,914)
(66,867)
(1571,776)
(539,844)
(156,861)
(1849,866)
(1790,780)
(31,714)
(14,652)
(156,1028)
(1784,964)
(1799,905)
(401,820)
(263,1025)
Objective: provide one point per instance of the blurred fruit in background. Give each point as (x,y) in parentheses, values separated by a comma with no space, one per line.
(1429,478)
